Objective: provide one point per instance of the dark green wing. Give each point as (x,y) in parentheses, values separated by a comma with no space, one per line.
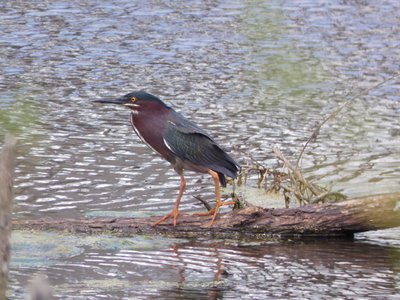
(191,143)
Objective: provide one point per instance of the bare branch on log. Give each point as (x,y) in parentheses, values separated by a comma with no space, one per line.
(332,115)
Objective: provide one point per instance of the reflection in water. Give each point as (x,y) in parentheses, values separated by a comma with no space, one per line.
(153,267)
(253,74)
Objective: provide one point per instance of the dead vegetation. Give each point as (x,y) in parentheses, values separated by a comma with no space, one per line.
(288,179)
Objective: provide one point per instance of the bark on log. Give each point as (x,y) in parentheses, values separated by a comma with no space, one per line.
(332,219)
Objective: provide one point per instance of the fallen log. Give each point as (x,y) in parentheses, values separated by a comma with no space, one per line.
(325,220)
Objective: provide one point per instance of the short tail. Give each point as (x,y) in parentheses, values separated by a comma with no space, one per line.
(231,173)
(224,165)
(222,179)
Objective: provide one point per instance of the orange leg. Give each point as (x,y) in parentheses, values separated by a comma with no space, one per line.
(219,203)
(175,212)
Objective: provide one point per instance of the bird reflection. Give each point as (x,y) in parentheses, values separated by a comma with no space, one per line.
(186,265)
(201,270)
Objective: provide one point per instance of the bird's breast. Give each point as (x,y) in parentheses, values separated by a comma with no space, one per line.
(150,128)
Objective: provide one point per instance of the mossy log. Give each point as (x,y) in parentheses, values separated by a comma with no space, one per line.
(323,220)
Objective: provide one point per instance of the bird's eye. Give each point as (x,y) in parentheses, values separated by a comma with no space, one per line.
(133,99)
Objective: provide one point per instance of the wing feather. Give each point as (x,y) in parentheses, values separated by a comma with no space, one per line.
(193,144)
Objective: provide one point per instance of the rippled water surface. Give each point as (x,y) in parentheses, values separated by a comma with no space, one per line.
(254,74)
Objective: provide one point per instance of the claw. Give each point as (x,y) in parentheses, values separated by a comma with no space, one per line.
(173,214)
(214,211)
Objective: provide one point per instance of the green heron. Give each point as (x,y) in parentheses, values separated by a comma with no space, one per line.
(181,142)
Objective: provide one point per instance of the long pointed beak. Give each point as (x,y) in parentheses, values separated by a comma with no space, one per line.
(111,100)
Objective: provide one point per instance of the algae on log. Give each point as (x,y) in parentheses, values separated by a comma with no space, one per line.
(324,220)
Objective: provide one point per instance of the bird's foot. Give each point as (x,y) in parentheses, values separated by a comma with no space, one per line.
(173,214)
(214,211)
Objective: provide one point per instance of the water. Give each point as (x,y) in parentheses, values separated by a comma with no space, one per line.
(254,74)
(154,267)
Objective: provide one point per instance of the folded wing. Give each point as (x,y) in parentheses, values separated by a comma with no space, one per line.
(191,143)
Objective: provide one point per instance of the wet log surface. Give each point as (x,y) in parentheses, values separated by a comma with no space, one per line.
(332,219)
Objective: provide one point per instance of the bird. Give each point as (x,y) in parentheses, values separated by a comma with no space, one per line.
(181,142)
